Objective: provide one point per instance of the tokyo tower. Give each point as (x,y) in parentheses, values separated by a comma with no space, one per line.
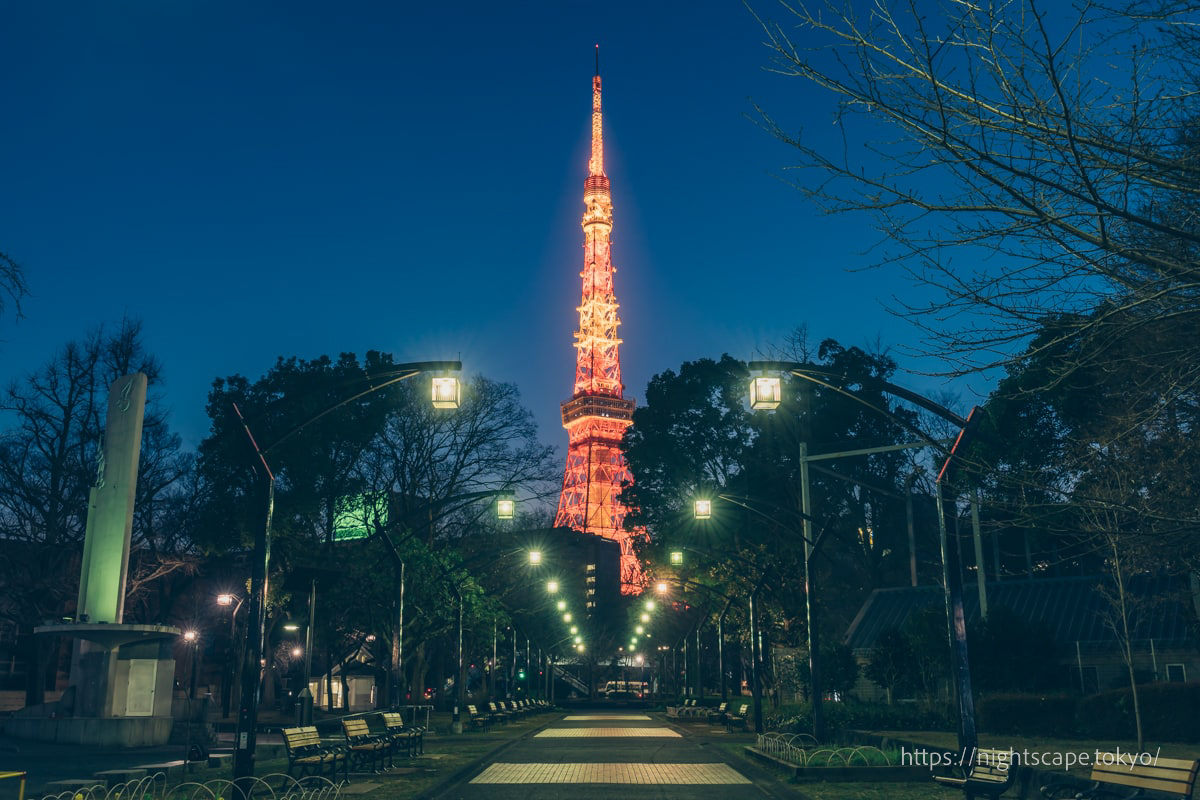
(597,414)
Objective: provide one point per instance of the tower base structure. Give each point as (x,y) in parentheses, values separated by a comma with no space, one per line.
(120,693)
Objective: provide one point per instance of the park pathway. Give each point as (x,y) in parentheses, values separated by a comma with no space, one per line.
(603,755)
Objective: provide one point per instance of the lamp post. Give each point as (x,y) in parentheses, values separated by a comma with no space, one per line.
(226,599)
(771,394)
(445,394)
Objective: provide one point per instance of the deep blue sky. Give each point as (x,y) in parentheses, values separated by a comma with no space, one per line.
(255,179)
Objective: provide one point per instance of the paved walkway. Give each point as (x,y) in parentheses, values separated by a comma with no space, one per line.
(607,755)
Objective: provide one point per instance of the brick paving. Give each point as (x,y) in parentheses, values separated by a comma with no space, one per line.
(611,773)
(603,717)
(612,733)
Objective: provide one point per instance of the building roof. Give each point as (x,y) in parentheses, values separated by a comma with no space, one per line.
(1074,609)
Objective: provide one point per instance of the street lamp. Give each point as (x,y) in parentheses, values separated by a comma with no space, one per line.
(703,509)
(446,394)
(226,599)
(952,577)
(506,508)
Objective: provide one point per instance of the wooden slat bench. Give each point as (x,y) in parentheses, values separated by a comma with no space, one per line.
(498,713)
(307,754)
(478,719)
(738,720)
(401,736)
(1162,777)
(990,774)
(365,747)
(717,716)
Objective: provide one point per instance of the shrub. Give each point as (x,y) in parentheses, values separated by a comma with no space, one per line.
(1028,714)
(1170,713)
(852,715)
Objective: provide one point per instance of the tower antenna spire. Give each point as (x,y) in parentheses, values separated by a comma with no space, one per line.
(598,412)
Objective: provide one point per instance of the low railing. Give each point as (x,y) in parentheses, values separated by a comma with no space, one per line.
(154,787)
(803,750)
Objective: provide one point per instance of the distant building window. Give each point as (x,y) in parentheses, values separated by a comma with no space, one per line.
(1176,673)
(1090,678)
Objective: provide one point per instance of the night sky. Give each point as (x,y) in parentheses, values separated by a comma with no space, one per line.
(255,179)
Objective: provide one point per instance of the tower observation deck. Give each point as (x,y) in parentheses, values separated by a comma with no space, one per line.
(598,413)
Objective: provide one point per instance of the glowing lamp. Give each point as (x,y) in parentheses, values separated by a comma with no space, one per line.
(506,508)
(190,636)
(551,586)
(645,617)
(224,599)
(296,652)
(676,557)
(567,617)
(574,629)
(639,630)
(765,394)
(562,605)
(703,509)
(650,603)
(446,392)
(291,627)
(661,588)
(535,557)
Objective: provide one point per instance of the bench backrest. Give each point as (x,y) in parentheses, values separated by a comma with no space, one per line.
(355,728)
(1166,775)
(472,710)
(721,708)
(495,708)
(298,738)
(745,707)
(993,765)
(392,719)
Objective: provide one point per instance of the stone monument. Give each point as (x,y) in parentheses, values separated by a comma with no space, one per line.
(121,675)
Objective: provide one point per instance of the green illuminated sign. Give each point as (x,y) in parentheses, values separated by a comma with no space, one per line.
(355,517)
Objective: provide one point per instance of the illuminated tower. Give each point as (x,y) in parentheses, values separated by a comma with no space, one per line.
(597,414)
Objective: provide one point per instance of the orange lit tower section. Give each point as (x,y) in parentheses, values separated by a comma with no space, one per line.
(597,414)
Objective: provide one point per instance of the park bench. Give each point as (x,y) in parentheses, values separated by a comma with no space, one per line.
(683,709)
(307,754)
(717,716)
(365,747)
(499,714)
(1162,777)
(737,720)
(476,719)
(399,735)
(989,774)
(518,712)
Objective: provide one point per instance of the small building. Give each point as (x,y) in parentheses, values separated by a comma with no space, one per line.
(1077,613)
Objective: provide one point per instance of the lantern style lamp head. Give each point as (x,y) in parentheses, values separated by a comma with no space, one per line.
(650,603)
(703,509)
(551,586)
(224,599)
(677,557)
(535,558)
(766,393)
(562,605)
(446,392)
(506,508)
(190,636)
(661,587)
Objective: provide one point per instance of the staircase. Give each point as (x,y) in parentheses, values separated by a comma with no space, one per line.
(570,678)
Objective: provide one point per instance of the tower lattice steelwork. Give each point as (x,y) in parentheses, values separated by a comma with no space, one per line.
(597,414)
